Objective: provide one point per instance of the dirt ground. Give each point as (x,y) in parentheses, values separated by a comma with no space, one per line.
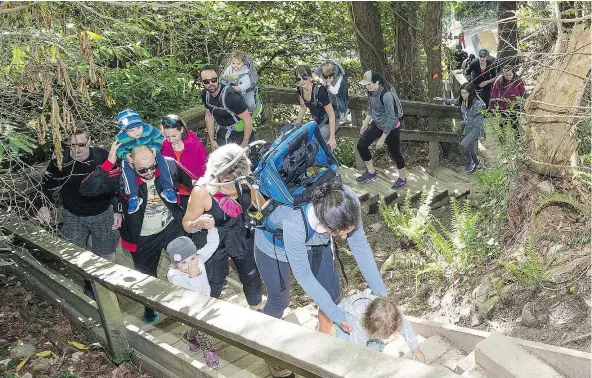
(26,319)
(556,311)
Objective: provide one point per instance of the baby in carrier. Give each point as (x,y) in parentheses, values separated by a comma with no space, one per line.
(237,76)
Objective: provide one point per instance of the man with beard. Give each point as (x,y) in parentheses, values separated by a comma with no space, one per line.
(227,116)
(146,232)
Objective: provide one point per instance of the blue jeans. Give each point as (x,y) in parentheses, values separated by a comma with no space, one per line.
(469,146)
(129,176)
(322,266)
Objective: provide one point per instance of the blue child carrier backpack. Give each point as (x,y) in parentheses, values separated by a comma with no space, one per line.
(295,164)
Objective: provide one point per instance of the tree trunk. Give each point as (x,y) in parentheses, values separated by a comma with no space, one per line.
(432,38)
(408,67)
(508,36)
(366,24)
(552,106)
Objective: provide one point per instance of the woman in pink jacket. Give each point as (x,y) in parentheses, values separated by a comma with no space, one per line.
(504,96)
(186,148)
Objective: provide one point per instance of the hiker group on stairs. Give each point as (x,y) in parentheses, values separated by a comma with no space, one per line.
(271,213)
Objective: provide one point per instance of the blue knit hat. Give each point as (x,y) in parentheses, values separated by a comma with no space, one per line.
(129,119)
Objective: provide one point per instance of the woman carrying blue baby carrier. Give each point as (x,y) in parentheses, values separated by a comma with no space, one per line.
(304,245)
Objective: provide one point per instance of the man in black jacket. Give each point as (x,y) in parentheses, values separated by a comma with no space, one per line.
(483,72)
(84,217)
(146,232)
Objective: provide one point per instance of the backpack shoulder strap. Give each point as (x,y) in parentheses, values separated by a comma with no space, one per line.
(307,227)
(315,94)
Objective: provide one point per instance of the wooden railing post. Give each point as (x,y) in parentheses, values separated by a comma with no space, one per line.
(112,322)
(357,119)
(434,145)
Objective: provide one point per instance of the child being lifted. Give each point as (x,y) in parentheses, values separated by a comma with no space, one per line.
(134,132)
(375,321)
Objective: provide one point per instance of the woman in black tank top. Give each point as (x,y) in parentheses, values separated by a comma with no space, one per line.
(226,210)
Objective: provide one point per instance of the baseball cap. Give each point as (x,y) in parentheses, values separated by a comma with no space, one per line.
(129,119)
(483,52)
(181,248)
(367,78)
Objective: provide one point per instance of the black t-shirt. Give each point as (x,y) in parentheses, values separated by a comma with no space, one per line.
(479,75)
(234,102)
(317,103)
(67,182)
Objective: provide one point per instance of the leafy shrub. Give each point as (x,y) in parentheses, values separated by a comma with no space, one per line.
(531,269)
(346,152)
(448,253)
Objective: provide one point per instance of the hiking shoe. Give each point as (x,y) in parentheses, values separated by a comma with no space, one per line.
(211,357)
(366,176)
(148,318)
(133,204)
(192,343)
(279,372)
(471,168)
(169,195)
(399,184)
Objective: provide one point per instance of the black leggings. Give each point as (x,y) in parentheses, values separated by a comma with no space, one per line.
(393,143)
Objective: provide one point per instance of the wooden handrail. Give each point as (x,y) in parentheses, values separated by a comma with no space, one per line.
(307,352)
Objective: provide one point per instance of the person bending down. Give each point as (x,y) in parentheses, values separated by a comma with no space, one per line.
(374,321)
(134,132)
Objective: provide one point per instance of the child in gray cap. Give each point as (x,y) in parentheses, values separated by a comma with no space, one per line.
(188,270)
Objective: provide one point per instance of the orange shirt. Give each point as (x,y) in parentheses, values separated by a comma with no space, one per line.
(182,189)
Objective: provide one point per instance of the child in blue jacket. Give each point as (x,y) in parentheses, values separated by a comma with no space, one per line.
(134,132)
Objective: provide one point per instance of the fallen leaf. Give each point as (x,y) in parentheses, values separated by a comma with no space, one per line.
(78,345)
(45,353)
(23,362)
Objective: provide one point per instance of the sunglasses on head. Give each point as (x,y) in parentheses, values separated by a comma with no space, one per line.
(213,80)
(299,78)
(167,123)
(145,170)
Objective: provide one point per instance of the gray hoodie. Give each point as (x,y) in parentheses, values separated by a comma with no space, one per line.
(354,308)
(385,116)
(472,117)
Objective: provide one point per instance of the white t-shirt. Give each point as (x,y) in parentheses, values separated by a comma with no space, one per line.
(157,216)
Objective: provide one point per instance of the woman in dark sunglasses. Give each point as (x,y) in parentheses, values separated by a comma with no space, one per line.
(315,97)
(186,148)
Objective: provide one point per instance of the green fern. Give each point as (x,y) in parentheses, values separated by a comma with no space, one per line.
(561,199)
(531,270)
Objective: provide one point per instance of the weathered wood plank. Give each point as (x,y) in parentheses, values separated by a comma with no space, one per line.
(281,95)
(434,147)
(307,352)
(112,322)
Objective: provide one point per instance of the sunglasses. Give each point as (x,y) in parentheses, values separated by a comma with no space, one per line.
(145,170)
(213,80)
(304,78)
(327,77)
(74,145)
(482,56)
(168,123)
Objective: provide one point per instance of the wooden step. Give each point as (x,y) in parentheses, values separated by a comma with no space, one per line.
(438,351)
(503,357)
